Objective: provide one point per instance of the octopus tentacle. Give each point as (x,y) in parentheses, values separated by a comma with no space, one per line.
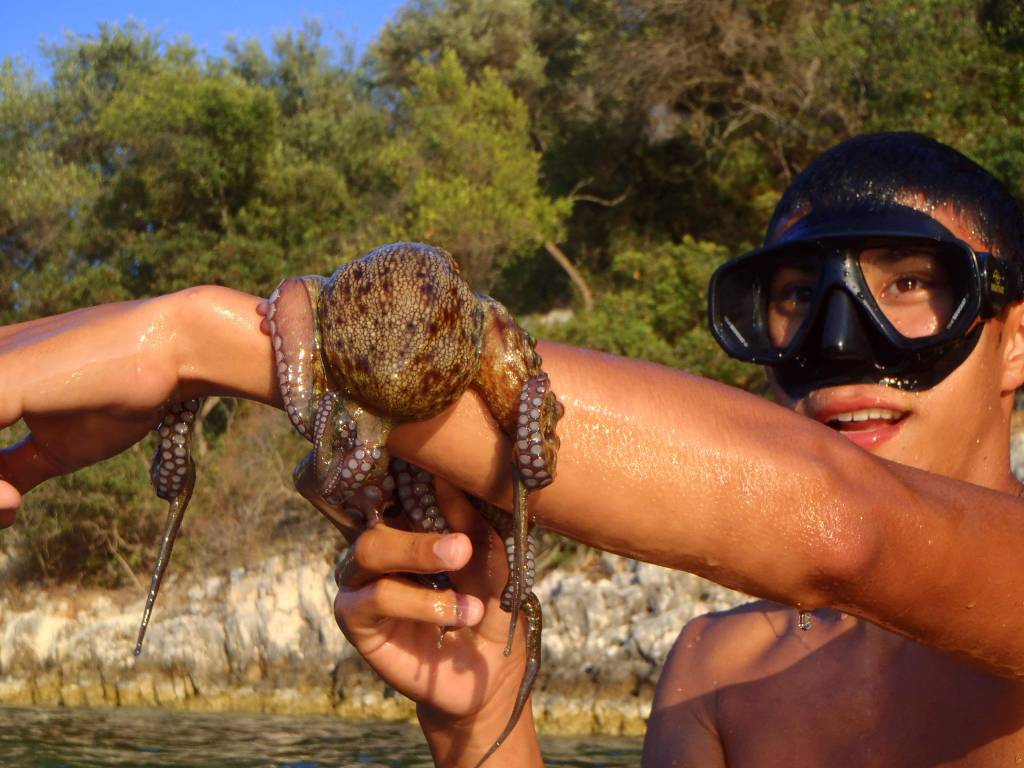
(534,622)
(535,451)
(291,315)
(415,491)
(529,607)
(173,475)
(345,459)
(515,588)
(306,483)
(529,573)
(536,446)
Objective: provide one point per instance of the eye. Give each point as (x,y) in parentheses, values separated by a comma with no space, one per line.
(908,283)
(796,294)
(791,299)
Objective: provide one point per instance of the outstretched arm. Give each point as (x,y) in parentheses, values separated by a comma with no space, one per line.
(655,464)
(92,382)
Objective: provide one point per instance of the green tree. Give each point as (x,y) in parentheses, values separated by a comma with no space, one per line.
(953,69)
(325,181)
(485,35)
(655,308)
(464,173)
(190,151)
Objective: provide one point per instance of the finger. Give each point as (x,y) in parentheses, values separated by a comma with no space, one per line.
(382,550)
(487,572)
(10,500)
(362,610)
(24,465)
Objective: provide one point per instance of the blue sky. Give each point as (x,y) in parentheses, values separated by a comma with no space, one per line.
(24,23)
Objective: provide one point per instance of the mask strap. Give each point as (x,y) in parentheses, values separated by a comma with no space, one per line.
(1002,283)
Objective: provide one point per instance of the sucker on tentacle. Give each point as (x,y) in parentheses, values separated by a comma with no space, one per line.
(173,475)
(397,336)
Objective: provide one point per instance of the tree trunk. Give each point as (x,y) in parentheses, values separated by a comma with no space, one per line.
(574,274)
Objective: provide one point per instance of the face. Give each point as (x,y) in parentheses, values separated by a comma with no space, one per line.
(958,428)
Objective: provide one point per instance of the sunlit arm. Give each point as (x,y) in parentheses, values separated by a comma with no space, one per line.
(655,464)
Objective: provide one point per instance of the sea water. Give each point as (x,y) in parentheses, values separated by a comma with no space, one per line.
(40,737)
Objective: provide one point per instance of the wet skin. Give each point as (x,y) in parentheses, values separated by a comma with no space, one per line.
(850,692)
(747,688)
(395,336)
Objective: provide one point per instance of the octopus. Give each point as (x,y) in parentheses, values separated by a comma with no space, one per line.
(394,336)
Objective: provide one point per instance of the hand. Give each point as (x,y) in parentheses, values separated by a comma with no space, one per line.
(90,383)
(464,686)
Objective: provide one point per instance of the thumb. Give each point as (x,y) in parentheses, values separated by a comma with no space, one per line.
(25,465)
(10,500)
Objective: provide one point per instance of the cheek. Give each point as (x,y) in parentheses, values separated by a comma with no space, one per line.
(956,413)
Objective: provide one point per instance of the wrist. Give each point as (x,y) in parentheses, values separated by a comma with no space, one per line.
(218,346)
(458,742)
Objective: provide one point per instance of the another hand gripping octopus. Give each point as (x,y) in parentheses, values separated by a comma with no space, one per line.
(396,336)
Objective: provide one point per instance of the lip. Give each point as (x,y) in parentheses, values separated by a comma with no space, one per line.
(824,406)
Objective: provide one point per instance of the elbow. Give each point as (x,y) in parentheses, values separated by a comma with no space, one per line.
(841,537)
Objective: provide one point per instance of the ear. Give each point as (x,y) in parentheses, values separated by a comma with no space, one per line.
(1013,348)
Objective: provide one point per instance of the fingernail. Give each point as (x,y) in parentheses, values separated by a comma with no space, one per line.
(449,549)
(468,610)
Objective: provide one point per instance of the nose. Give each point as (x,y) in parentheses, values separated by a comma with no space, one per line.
(842,333)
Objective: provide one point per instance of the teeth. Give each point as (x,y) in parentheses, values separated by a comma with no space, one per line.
(867,414)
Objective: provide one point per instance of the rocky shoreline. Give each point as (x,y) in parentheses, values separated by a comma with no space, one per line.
(264,639)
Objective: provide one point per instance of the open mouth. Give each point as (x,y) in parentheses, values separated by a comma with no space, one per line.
(866,419)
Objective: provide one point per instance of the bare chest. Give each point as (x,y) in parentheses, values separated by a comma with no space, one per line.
(850,706)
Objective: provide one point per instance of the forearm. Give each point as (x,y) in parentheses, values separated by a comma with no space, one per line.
(221,349)
(666,467)
(461,744)
(201,341)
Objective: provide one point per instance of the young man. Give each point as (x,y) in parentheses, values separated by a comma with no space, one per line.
(882,306)
(880,324)
(687,473)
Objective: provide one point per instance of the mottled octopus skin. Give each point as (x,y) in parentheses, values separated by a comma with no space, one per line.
(395,336)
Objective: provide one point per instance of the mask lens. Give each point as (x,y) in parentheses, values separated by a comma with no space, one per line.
(919,287)
(760,304)
(792,286)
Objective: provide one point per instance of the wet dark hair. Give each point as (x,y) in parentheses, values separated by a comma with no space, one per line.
(876,170)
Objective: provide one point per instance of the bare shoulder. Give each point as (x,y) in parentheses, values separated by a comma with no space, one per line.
(717,648)
(712,652)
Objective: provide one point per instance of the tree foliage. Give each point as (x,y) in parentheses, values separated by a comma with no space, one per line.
(634,143)
(464,172)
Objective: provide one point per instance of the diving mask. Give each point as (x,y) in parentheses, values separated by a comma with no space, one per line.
(884,296)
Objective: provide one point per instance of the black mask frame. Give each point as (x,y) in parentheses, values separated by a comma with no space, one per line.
(874,351)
